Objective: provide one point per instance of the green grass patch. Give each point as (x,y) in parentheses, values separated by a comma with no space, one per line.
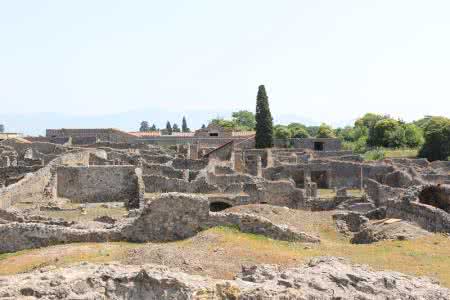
(401,153)
(427,256)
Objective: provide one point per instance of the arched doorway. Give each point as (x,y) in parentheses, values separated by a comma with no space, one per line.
(218,206)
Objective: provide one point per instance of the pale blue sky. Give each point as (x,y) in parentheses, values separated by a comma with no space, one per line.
(325,60)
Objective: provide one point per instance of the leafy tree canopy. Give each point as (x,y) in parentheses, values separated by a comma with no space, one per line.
(325,131)
(437,139)
(244,119)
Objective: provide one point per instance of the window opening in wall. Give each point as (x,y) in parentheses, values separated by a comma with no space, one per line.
(318,146)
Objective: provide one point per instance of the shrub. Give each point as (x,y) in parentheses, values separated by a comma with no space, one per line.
(375,154)
(437,139)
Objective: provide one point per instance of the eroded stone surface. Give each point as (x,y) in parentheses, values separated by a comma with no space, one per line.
(321,278)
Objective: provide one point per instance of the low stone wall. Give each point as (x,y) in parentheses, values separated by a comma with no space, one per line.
(426,216)
(410,162)
(259,225)
(98,183)
(19,236)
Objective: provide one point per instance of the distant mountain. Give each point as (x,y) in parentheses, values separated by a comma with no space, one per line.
(36,123)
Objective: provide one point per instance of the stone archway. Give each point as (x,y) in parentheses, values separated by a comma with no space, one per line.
(218,206)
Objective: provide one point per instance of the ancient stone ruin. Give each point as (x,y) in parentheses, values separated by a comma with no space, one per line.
(172,193)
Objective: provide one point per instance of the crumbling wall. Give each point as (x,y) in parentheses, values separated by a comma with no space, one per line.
(336,173)
(426,216)
(161,184)
(40,185)
(381,194)
(191,164)
(166,171)
(259,225)
(169,217)
(19,236)
(98,183)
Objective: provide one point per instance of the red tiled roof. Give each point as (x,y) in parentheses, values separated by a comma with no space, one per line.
(145,134)
(187,134)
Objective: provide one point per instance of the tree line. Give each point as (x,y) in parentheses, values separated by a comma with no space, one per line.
(431,134)
(145,127)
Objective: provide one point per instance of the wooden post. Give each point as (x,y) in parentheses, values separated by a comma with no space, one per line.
(362,179)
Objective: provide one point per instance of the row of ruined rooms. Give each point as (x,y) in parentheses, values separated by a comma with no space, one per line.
(325,173)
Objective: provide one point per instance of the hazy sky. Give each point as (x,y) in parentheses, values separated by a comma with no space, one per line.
(325,60)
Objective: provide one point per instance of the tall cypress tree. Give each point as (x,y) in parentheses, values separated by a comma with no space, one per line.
(184,126)
(169,128)
(264,126)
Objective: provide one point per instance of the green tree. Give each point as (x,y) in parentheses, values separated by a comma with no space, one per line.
(421,123)
(437,139)
(203,126)
(264,125)
(281,132)
(299,133)
(227,124)
(169,128)
(386,133)
(153,128)
(325,131)
(413,136)
(184,126)
(175,128)
(2,128)
(144,126)
(312,130)
(369,120)
(244,119)
(298,130)
(346,134)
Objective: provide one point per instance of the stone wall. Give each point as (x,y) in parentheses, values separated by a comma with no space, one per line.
(19,236)
(259,225)
(191,164)
(169,217)
(176,216)
(161,184)
(98,183)
(329,144)
(381,194)
(222,153)
(165,171)
(40,184)
(426,216)
(335,173)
